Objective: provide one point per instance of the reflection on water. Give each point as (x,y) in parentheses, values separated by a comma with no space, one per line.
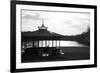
(71,43)
(52,44)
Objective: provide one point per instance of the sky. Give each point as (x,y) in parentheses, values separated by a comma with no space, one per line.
(65,23)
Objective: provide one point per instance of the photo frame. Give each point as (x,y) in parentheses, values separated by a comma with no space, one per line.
(26,16)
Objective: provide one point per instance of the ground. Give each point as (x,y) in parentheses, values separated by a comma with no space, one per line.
(70,53)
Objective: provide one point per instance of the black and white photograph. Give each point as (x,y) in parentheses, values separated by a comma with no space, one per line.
(54,35)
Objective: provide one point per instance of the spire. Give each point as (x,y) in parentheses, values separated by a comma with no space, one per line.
(42,27)
(42,23)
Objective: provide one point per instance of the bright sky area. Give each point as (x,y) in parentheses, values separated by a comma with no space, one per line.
(65,23)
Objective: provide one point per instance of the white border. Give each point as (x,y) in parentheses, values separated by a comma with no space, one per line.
(20,65)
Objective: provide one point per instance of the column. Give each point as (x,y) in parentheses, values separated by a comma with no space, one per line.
(56,43)
(41,43)
(45,43)
(59,43)
(52,43)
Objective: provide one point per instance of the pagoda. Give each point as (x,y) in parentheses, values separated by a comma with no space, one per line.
(41,42)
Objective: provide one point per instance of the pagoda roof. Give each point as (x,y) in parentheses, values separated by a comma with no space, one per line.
(42,34)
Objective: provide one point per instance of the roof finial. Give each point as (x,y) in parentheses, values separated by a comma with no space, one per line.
(42,27)
(42,22)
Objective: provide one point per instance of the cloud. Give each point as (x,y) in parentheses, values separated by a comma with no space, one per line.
(32,16)
(79,24)
(62,23)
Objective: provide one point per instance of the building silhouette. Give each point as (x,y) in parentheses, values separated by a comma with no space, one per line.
(41,42)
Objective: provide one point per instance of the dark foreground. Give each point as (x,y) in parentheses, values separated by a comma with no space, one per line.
(70,53)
